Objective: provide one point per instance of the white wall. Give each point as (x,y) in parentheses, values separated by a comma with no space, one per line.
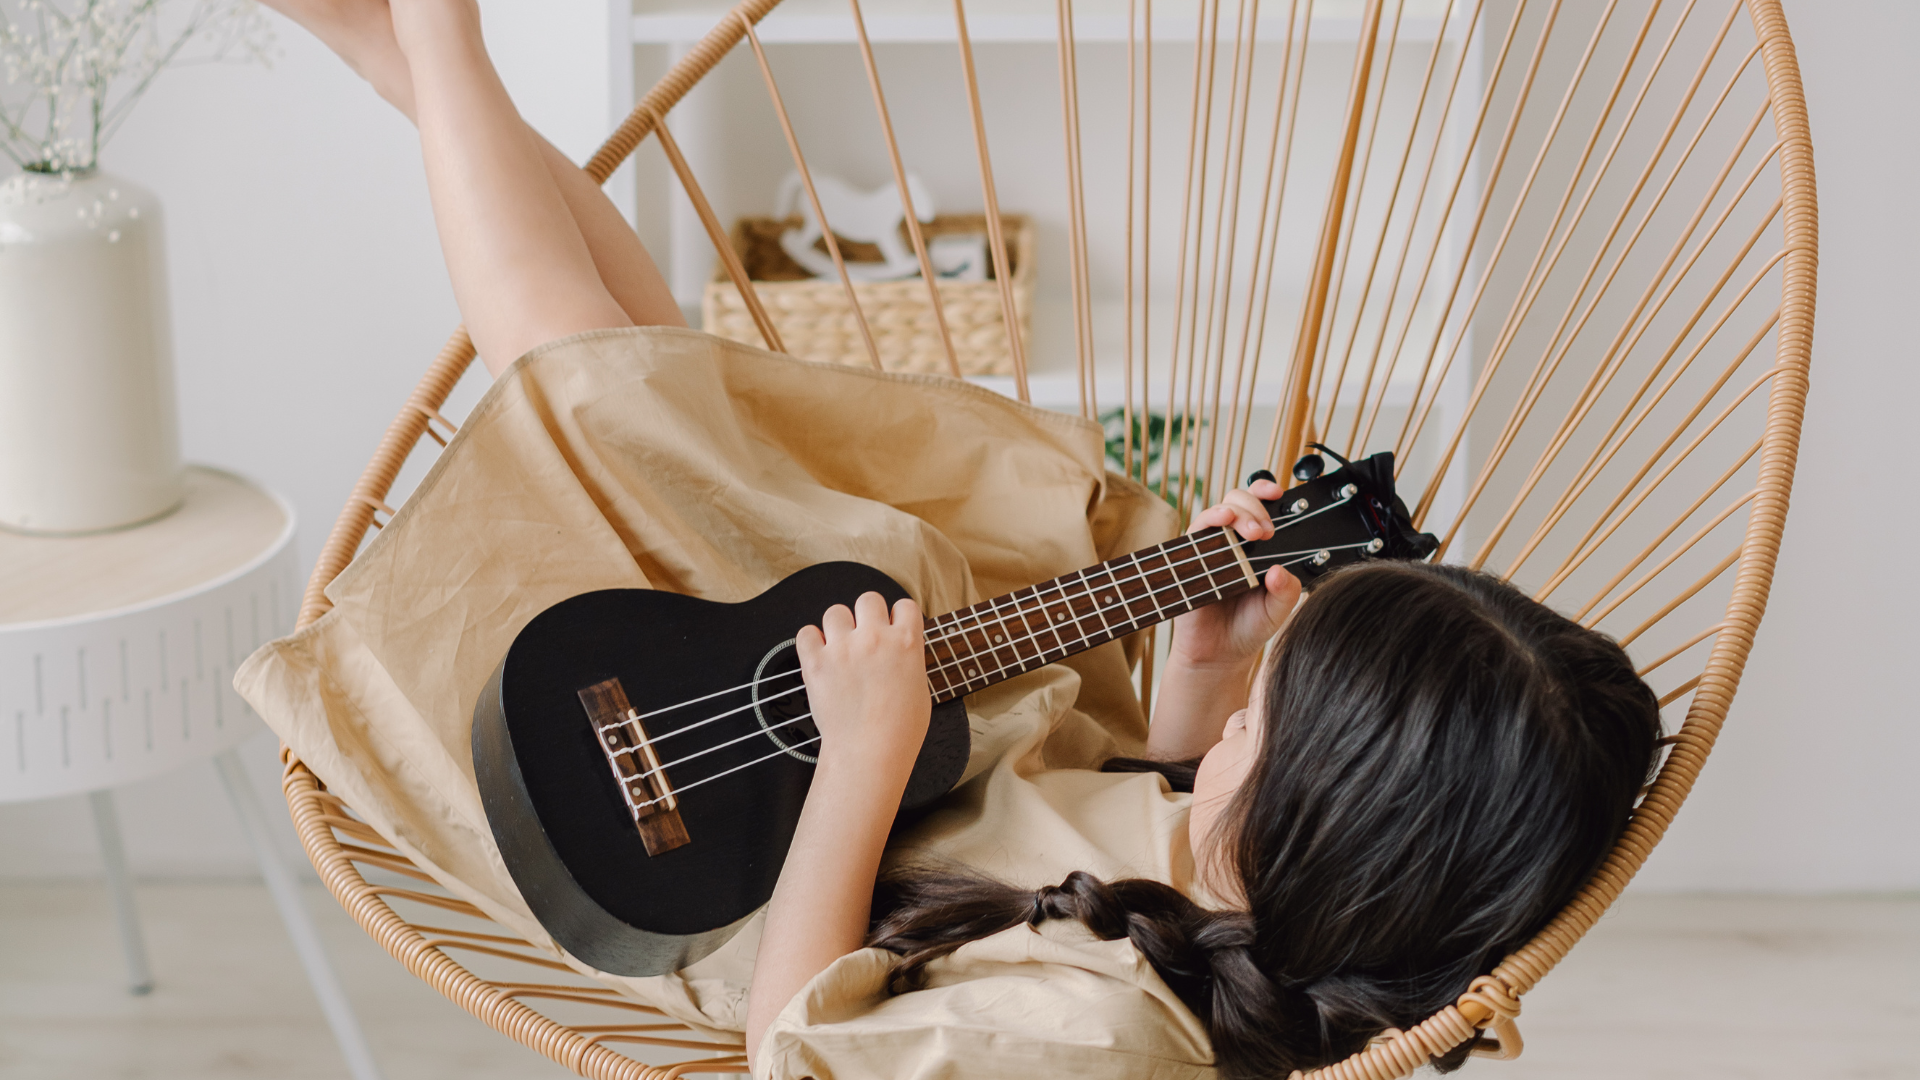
(309,295)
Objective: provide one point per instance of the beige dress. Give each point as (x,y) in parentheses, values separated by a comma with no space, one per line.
(660,458)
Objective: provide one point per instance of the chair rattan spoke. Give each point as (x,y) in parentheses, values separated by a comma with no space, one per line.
(717,234)
(1614,362)
(1286,99)
(1350,231)
(1673,653)
(1615,440)
(990,197)
(1511,328)
(1542,268)
(813,195)
(1417,203)
(1507,230)
(914,232)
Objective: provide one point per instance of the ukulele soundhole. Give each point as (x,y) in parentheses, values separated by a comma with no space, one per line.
(780,704)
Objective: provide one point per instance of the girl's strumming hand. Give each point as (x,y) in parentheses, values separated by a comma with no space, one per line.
(1234,631)
(866,677)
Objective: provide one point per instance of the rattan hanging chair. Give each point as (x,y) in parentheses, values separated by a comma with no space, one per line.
(1550,253)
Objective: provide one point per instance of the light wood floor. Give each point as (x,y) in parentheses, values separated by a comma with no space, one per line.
(1668,986)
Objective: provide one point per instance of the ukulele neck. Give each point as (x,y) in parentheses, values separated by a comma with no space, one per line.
(992,641)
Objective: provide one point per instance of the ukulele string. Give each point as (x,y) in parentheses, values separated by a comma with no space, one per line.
(716,746)
(1135,623)
(683,789)
(1278,527)
(656,739)
(1293,556)
(728,772)
(1124,605)
(1138,575)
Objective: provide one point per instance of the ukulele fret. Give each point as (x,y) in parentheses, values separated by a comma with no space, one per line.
(1173,575)
(937,665)
(991,617)
(1003,638)
(1110,594)
(1002,635)
(980,642)
(1140,573)
(1194,544)
(1048,621)
(1087,590)
(1017,605)
(1063,615)
(1079,621)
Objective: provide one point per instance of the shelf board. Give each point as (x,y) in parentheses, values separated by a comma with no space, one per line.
(1060,392)
(922,23)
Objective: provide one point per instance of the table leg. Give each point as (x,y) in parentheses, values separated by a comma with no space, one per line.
(107,823)
(293,912)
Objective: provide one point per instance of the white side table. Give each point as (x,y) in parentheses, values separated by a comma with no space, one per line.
(117,653)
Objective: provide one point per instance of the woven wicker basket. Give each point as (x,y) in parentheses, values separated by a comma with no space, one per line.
(816,323)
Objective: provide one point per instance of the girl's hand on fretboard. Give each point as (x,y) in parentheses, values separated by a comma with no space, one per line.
(1233,632)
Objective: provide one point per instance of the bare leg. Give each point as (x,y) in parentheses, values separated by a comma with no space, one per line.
(521,269)
(362,33)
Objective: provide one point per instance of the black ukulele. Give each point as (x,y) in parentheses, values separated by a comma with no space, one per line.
(643,756)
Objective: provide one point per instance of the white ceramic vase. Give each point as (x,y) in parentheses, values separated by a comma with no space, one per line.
(89,437)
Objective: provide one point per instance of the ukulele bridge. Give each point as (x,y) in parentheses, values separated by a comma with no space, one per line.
(629,751)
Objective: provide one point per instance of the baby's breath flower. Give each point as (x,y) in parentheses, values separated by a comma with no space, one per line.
(75,68)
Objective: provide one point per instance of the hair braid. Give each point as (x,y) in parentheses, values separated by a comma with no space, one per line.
(1204,956)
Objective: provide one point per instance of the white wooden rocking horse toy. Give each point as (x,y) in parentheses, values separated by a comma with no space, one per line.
(869,217)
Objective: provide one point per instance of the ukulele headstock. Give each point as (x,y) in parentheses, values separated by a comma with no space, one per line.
(1331,519)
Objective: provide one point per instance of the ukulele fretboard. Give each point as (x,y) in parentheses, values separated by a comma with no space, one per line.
(975,647)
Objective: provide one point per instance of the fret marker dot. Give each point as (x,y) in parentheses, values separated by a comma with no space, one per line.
(636,790)
(1106,599)
(1059,616)
(971,672)
(997,639)
(613,741)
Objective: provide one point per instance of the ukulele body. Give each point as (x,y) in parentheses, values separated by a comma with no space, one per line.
(556,807)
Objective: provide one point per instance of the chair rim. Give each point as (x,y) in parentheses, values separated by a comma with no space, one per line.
(1493,1000)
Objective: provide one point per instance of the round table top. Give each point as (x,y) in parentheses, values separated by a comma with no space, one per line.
(224,524)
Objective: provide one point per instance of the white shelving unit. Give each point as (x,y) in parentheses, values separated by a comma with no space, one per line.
(702,127)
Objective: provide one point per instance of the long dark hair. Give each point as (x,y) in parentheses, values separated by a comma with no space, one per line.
(1444,763)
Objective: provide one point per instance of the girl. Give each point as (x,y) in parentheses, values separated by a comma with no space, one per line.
(1428,765)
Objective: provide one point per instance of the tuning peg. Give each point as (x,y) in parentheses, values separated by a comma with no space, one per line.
(1309,467)
(1261,474)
